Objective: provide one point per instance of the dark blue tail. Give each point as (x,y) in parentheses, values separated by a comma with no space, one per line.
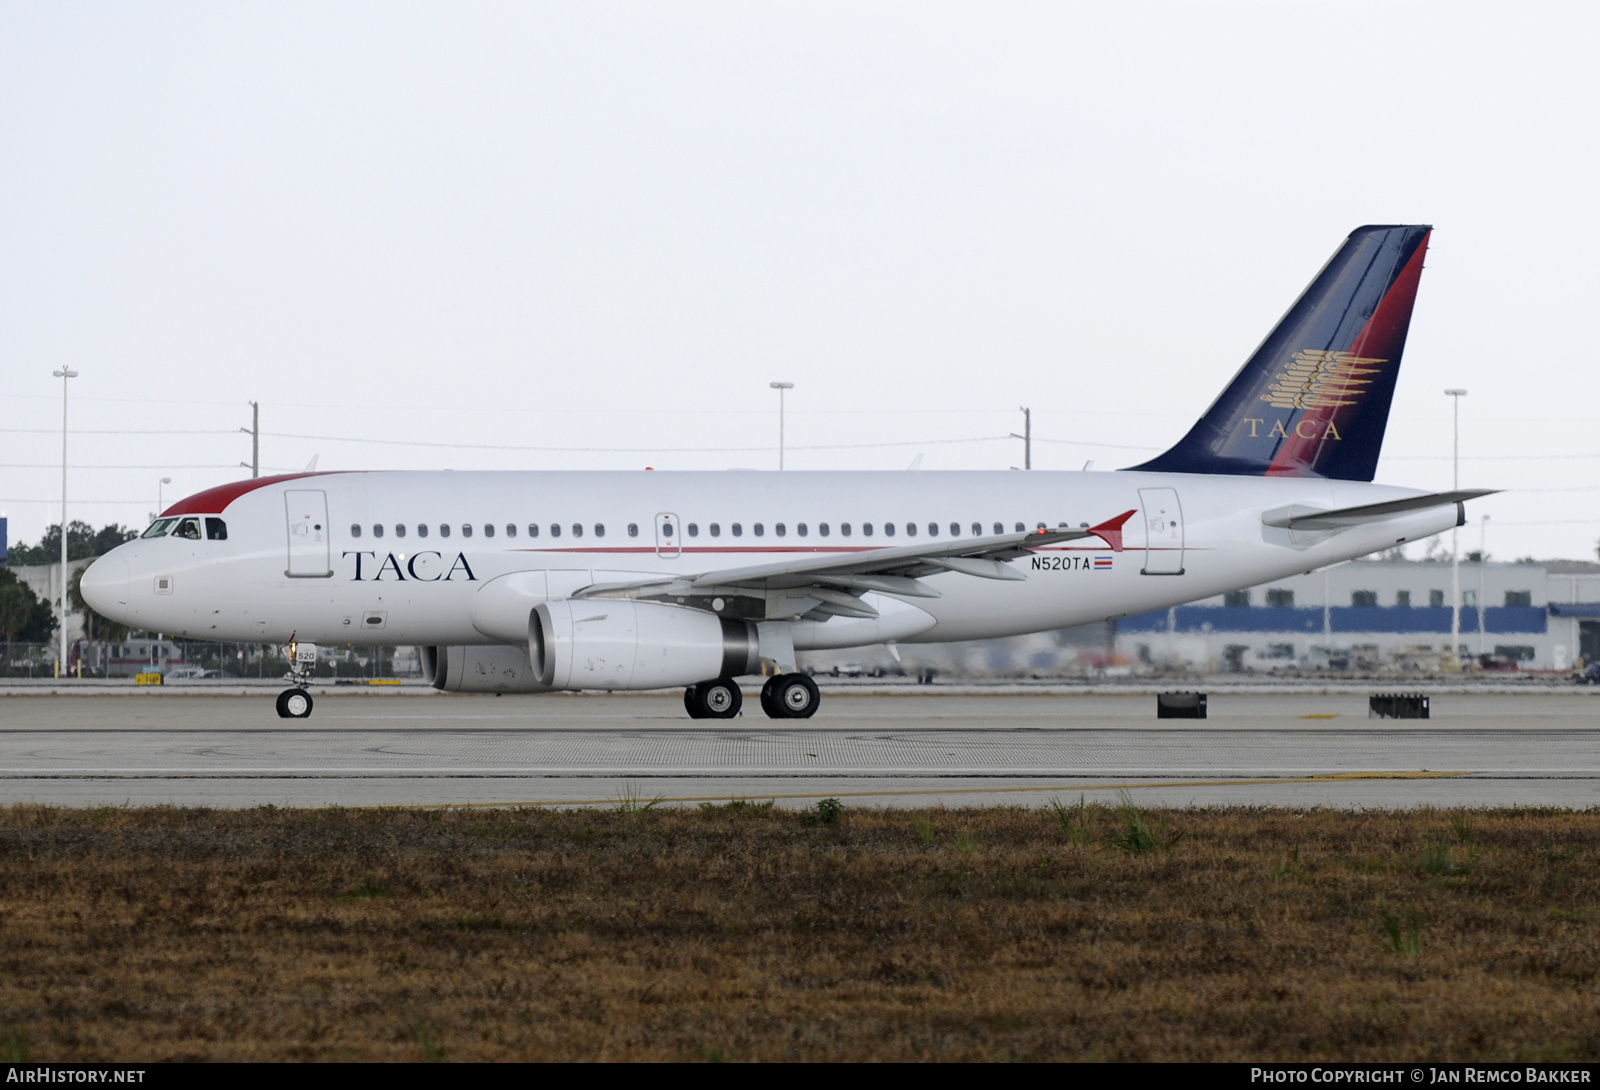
(1314,399)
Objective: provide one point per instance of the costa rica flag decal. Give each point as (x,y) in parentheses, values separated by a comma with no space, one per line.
(1102,563)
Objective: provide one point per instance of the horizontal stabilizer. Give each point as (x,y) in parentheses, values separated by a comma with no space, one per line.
(1307,518)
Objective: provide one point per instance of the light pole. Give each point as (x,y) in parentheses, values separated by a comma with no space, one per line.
(161,504)
(780,387)
(64,374)
(254,432)
(1026,437)
(1483,566)
(1455,397)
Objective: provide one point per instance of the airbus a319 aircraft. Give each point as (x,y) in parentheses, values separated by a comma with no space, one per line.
(526,582)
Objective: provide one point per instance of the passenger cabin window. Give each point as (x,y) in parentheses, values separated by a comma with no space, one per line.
(977,529)
(488,529)
(888,529)
(716,529)
(399,529)
(555,529)
(844,529)
(466,529)
(780,529)
(694,529)
(822,528)
(955,529)
(511,529)
(866,529)
(444,529)
(999,528)
(599,529)
(633,529)
(1020,528)
(933,529)
(533,529)
(422,529)
(216,529)
(188,529)
(911,529)
(355,530)
(577,529)
(377,529)
(737,530)
(758,529)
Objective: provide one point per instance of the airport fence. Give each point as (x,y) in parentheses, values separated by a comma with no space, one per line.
(202,659)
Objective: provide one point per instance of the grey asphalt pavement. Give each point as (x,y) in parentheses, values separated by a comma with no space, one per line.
(908,749)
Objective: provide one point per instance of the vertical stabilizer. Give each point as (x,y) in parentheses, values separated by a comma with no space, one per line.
(1314,398)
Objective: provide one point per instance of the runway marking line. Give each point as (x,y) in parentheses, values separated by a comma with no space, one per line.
(1332,777)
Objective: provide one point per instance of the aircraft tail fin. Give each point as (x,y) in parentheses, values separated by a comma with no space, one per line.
(1313,400)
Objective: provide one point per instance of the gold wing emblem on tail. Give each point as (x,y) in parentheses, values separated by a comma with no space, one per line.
(1317,379)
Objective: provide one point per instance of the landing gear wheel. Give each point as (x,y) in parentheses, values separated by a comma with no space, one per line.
(719,699)
(790,696)
(294,704)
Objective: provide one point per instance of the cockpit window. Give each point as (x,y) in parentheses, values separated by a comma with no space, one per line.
(216,529)
(188,529)
(159,528)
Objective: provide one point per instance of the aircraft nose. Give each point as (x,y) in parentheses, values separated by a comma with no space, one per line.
(105,586)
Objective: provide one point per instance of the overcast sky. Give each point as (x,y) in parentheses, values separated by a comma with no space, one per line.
(601,230)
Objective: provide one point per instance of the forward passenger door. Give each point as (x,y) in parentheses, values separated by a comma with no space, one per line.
(307,511)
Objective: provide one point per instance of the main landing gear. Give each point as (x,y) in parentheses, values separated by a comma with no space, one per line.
(719,699)
(787,696)
(790,696)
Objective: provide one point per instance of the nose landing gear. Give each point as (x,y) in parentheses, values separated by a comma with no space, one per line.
(295,703)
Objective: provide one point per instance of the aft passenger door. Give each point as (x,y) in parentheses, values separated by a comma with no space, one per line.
(1163,531)
(307,512)
(668,532)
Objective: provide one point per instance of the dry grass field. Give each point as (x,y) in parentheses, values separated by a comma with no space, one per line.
(746,933)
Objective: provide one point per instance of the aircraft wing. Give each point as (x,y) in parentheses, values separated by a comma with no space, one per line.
(1307,518)
(817,586)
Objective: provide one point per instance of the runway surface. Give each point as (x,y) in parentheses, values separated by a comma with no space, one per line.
(913,749)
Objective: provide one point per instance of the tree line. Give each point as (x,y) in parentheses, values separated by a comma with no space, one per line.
(24,617)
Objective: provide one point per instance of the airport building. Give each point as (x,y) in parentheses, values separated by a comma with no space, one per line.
(1362,617)
(1367,616)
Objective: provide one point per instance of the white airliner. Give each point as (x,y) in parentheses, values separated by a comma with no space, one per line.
(536,582)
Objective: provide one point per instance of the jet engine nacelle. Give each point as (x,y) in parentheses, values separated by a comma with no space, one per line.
(602,643)
(491,669)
